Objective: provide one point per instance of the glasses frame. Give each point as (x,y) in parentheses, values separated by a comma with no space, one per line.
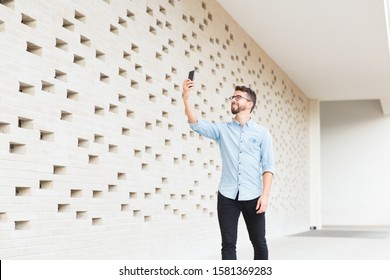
(238,98)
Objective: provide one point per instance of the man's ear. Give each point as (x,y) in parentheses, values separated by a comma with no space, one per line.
(249,105)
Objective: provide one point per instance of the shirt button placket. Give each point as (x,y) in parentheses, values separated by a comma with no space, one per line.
(239,159)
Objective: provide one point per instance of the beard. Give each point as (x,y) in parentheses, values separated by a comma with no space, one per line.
(236,108)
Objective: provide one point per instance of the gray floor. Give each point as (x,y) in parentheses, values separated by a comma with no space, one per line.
(330,243)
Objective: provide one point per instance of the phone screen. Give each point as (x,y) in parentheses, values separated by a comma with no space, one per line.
(191,75)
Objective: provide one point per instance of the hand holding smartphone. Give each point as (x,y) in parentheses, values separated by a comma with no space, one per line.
(188,83)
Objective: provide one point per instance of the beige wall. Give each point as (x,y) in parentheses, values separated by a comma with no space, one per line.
(354,165)
(97,160)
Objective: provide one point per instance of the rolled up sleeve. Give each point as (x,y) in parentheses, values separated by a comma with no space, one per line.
(267,154)
(206,129)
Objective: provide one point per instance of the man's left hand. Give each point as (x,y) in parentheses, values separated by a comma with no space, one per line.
(261,204)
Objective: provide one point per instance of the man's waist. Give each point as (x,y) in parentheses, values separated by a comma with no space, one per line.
(246,192)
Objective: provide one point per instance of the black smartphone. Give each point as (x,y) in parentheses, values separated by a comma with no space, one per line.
(191,75)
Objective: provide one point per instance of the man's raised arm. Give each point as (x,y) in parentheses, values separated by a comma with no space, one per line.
(189,108)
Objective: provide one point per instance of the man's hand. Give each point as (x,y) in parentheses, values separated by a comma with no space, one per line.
(187,86)
(262,203)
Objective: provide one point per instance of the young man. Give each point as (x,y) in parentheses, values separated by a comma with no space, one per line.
(247,169)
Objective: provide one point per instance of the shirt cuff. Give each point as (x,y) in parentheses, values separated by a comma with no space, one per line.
(194,125)
(268,169)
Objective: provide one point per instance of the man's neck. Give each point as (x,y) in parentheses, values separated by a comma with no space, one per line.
(242,117)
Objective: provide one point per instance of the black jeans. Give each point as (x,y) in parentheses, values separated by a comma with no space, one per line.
(228,214)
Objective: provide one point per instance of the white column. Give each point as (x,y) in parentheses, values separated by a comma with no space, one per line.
(315,165)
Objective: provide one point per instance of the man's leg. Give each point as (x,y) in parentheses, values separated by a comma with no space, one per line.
(228,214)
(255,224)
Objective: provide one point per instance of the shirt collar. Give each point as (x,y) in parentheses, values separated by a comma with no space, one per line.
(248,124)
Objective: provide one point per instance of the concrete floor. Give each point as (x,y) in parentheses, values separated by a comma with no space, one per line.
(330,243)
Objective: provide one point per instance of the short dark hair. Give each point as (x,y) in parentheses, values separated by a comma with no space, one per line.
(251,94)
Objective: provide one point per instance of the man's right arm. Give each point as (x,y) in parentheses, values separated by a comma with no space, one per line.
(204,128)
(189,108)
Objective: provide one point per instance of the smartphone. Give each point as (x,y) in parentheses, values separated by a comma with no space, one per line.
(191,75)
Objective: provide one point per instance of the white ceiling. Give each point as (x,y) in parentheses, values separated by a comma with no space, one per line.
(332,49)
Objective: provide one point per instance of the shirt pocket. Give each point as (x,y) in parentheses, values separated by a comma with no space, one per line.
(253,144)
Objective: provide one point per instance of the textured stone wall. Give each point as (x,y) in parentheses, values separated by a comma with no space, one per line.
(97,160)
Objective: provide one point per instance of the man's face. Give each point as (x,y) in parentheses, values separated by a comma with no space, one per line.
(239,102)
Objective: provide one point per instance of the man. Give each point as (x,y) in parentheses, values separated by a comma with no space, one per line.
(247,169)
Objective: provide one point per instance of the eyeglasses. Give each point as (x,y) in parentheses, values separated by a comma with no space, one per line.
(238,97)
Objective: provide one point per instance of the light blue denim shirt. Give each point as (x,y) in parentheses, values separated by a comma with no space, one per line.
(246,153)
